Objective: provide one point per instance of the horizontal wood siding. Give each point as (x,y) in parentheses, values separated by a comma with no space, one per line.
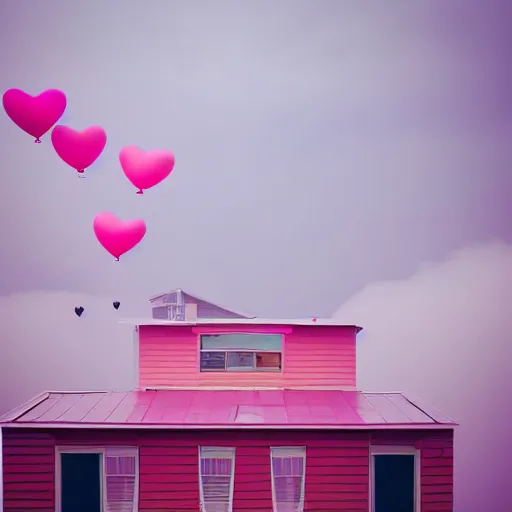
(28,471)
(167,356)
(320,357)
(337,467)
(253,484)
(313,356)
(437,473)
(337,472)
(169,474)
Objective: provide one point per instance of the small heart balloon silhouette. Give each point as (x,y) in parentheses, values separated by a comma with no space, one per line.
(145,169)
(118,236)
(79,311)
(116,304)
(35,115)
(79,149)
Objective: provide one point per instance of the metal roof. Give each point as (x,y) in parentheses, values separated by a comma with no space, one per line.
(202,299)
(242,321)
(235,409)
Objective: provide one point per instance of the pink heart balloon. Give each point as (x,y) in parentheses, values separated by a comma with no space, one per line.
(79,149)
(35,115)
(118,236)
(146,169)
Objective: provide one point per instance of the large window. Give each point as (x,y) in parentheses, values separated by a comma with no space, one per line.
(238,352)
(216,478)
(288,478)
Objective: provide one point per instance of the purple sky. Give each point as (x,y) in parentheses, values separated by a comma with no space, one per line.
(327,153)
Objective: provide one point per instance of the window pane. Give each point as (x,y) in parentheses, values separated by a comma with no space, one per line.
(288,489)
(111,466)
(126,466)
(242,341)
(268,360)
(288,466)
(213,360)
(240,359)
(216,467)
(120,488)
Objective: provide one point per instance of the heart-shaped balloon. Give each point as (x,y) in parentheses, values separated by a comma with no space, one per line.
(79,149)
(118,236)
(79,311)
(35,115)
(145,169)
(116,304)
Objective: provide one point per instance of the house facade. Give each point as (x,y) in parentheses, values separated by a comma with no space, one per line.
(230,414)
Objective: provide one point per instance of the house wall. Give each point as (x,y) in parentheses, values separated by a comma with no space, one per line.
(313,356)
(337,467)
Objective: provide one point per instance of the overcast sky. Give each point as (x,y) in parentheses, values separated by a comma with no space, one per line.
(319,146)
(330,158)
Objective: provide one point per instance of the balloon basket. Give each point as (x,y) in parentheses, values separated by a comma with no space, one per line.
(37,141)
(139,192)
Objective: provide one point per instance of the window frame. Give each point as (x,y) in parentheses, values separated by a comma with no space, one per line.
(232,451)
(123,451)
(102,452)
(226,351)
(377,450)
(303,454)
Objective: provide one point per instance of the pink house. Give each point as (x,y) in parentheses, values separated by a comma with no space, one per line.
(230,414)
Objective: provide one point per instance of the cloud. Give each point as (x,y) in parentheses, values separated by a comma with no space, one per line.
(45,346)
(444,335)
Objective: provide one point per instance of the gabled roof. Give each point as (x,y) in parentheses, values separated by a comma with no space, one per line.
(220,409)
(196,297)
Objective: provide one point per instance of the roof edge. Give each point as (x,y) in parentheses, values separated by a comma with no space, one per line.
(431,411)
(24,407)
(304,322)
(244,426)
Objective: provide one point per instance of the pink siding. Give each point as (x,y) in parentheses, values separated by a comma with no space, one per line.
(313,356)
(337,467)
(29,472)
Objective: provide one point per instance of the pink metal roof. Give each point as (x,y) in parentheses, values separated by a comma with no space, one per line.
(317,322)
(205,409)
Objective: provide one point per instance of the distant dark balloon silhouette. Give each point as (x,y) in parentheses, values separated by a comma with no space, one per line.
(79,311)
(116,304)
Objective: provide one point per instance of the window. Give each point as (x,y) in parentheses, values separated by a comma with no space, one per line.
(288,478)
(120,479)
(238,352)
(216,478)
(97,479)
